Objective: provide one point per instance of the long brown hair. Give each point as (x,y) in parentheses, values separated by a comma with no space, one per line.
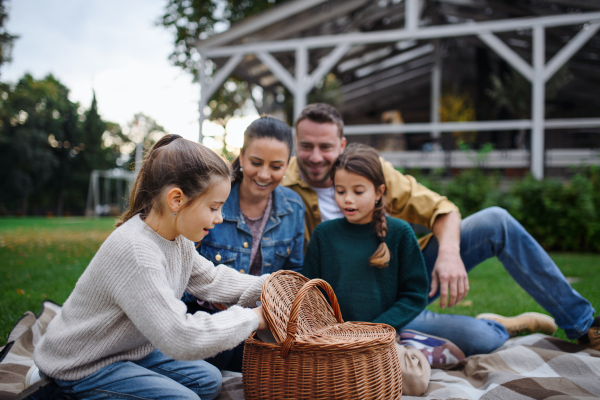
(364,161)
(173,161)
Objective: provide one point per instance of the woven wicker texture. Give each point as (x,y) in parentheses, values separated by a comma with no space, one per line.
(317,355)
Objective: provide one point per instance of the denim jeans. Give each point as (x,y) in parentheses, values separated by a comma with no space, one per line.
(494,233)
(155,376)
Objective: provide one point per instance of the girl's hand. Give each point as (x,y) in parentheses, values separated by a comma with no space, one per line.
(262,322)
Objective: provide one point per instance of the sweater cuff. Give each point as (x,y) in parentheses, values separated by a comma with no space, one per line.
(252,294)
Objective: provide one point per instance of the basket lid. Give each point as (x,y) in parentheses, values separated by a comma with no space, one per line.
(278,294)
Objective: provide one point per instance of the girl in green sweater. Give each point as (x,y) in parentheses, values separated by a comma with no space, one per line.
(372,261)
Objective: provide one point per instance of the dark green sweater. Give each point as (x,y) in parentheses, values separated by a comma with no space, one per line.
(339,253)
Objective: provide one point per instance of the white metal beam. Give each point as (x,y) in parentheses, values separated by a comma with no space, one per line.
(386,83)
(395,60)
(222,74)
(473,126)
(432,32)
(278,70)
(573,123)
(569,50)
(327,63)
(538,100)
(411,15)
(251,24)
(203,99)
(302,87)
(436,91)
(507,54)
(386,74)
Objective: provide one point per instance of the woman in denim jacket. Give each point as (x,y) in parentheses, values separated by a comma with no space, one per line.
(263,223)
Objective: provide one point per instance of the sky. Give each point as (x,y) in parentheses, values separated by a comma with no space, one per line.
(110,46)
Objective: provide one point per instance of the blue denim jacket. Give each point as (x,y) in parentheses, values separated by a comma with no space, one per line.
(230,242)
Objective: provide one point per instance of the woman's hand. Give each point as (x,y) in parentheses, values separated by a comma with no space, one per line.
(262,322)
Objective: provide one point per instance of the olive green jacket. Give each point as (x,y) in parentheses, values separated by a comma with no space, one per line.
(405,199)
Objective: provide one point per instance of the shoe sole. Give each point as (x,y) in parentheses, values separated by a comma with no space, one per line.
(497,317)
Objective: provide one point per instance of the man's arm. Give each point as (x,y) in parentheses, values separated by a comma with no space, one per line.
(414,203)
(449,271)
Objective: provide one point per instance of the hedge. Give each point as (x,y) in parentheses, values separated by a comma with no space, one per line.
(563,216)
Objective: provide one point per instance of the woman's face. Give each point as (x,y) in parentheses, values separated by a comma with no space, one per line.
(264,163)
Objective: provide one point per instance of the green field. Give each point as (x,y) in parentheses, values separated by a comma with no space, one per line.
(42,258)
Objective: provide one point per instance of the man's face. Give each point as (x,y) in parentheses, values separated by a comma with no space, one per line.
(318,146)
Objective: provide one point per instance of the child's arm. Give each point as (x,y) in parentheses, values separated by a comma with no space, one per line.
(156,311)
(412,282)
(223,285)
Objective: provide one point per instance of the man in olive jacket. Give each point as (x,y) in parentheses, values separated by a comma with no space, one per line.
(454,247)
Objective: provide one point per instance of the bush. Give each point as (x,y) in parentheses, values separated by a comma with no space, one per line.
(560,216)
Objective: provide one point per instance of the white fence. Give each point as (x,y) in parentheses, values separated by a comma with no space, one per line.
(493,159)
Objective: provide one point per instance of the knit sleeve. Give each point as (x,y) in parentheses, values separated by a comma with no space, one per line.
(412,280)
(311,268)
(224,285)
(154,309)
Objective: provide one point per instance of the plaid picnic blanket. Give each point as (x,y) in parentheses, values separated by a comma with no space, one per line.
(527,367)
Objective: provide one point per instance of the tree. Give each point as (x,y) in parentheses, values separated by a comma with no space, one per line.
(32,114)
(190,20)
(48,147)
(193,19)
(6,39)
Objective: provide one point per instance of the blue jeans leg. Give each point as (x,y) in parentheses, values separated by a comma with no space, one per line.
(493,232)
(155,376)
(472,336)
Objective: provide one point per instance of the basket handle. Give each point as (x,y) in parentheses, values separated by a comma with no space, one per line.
(293,321)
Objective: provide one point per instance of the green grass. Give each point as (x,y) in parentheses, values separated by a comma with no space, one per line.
(493,290)
(42,258)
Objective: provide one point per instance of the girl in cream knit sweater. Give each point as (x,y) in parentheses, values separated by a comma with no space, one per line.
(123,332)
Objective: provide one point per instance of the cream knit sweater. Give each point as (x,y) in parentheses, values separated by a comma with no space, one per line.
(127,303)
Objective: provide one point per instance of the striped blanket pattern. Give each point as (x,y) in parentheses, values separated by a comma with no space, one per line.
(526,367)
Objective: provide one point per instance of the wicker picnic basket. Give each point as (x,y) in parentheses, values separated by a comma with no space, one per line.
(317,354)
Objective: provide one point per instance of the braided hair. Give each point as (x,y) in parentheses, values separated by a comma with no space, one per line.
(363,160)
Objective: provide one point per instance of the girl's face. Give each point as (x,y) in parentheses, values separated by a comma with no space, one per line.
(194,221)
(356,196)
(264,163)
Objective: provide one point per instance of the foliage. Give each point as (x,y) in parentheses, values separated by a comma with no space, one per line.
(562,216)
(48,147)
(6,39)
(193,19)
(458,108)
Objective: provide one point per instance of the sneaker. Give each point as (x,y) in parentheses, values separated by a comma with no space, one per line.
(530,322)
(592,338)
(33,376)
(437,350)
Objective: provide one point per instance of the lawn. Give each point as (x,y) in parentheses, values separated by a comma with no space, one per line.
(42,258)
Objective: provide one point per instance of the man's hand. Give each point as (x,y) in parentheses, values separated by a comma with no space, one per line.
(450,274)
(449,270)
